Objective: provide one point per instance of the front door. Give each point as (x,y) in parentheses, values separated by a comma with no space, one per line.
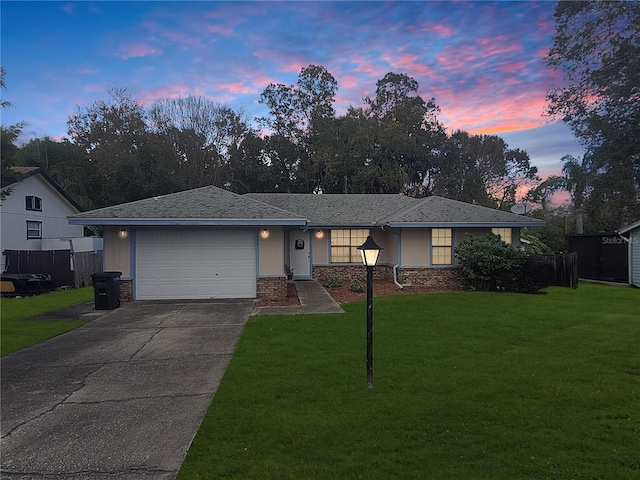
(300,253)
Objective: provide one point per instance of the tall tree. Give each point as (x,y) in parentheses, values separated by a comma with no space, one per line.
(481,169)
(8,147)
(64,161)
(202,134)
(8,157)
(409,136)
(578,177)
(128,161)
(297,113)
(596,47)
(3,85)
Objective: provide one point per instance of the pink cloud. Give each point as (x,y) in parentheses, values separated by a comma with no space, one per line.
(513,67)
(437,28)
(347,81)
(294,67)
(219,30)
(409,63)
(237,87)
(138,50)
(499,45)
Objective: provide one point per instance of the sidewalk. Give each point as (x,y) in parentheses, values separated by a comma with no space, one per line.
(313,299)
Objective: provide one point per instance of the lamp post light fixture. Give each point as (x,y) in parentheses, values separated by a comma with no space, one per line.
(370,251)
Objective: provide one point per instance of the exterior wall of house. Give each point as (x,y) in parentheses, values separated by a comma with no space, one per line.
(388,240)
(320,240)
(271,281)
(271,252)
(415,247)
(14,216)
(634,257)
(117,251)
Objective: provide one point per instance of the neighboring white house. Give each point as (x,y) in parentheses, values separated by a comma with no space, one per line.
(632,234)
(34,215)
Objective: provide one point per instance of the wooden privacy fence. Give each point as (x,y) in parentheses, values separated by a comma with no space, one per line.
(565,266)
(65,268)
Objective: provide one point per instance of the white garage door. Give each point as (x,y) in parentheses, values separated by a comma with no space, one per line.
(190,264)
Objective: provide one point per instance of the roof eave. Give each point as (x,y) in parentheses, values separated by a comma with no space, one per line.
(628,228)
(463,224)
(162,222)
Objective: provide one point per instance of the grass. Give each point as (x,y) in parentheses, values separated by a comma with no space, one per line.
(17,334)
(466,385)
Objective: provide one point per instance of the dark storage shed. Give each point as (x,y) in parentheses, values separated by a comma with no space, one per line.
(601,256)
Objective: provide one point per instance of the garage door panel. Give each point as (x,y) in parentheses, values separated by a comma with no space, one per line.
(195,264)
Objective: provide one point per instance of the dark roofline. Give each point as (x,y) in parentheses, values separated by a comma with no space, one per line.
(31,171)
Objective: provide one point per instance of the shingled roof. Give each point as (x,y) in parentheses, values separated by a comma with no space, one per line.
(201,206)
(338,210)
(215,206)
(439,211)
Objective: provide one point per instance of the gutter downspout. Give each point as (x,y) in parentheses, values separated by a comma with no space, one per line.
(395,276)
(395,267)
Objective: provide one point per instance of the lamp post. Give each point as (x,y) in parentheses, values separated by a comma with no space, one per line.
(369,251)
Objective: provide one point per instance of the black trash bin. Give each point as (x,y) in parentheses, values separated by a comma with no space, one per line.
(106,290)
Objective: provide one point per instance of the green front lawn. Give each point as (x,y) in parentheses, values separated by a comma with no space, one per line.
(17,334)
(468,385)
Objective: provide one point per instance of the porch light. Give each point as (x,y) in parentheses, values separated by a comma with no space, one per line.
(319,234)
(123,233)
(264,233)
(370,251)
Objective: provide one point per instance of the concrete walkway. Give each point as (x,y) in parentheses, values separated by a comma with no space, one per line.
(313,299)
(120,397)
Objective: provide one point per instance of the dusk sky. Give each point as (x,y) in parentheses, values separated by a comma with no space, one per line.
(482,61)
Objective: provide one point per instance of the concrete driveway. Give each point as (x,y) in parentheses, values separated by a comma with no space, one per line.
(121,397)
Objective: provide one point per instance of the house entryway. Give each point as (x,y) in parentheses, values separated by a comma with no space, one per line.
(300,253)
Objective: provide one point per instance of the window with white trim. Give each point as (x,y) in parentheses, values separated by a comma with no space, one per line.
(503,233)
(345,243)
(441,246)
(34,230)
(33,203)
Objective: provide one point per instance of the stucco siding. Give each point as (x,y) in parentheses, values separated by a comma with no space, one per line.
(415,246)
(320,242)
(117,251)
(271,252)
(389,242)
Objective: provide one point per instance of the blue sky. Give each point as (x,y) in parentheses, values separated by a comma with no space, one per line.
(482,61)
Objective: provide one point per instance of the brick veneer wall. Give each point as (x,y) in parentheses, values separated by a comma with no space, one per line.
(126,290)
(351,272)
(274,288)
(445,277)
